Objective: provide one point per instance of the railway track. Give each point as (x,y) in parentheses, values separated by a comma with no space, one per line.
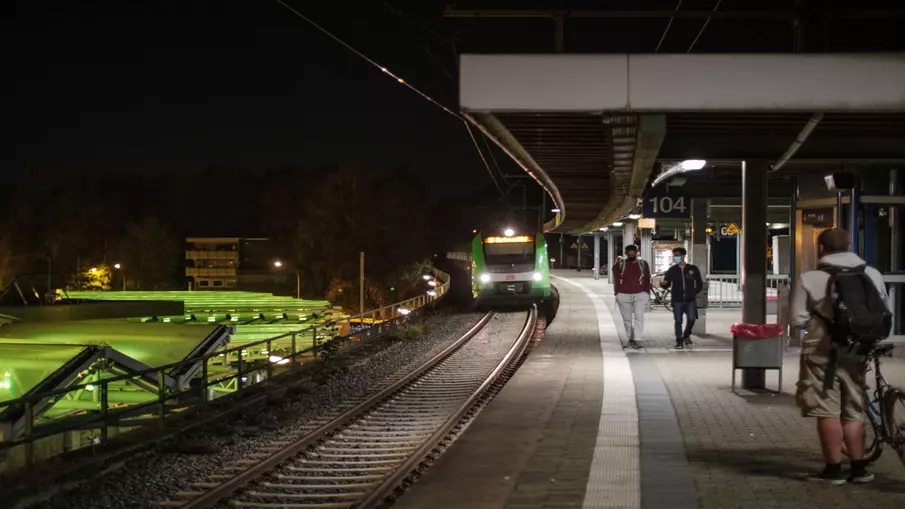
(359,456)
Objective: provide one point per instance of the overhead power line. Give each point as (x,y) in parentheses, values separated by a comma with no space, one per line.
(666,30)
(483,159)
(704,26)
(366,59)
(401,81)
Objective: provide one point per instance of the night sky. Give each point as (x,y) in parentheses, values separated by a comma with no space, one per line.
(182,85)
(162,86)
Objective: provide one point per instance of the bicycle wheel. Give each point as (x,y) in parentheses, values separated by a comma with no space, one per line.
(668,304)
(872,445)
(894,406)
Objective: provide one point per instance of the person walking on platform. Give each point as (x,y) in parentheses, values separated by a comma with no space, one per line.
(632,286)
(835,304)
(686,282)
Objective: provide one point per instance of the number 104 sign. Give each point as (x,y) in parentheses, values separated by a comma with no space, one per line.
(667,205)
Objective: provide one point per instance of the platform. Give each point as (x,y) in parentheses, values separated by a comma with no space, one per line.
(584,424)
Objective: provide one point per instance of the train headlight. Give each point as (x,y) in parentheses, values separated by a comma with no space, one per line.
(485,278)
(538,276)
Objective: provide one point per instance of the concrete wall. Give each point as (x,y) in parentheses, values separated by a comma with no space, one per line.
(94,310)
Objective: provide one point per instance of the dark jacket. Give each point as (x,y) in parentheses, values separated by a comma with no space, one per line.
(631,276)
(686,283)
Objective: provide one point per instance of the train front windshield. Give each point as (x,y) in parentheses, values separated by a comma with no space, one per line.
(509,250)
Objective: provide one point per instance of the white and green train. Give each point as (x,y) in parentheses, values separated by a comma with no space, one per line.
(509,268)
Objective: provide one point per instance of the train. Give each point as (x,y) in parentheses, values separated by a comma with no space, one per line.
(509,268)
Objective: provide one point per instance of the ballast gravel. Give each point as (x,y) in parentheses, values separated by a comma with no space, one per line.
(156,475)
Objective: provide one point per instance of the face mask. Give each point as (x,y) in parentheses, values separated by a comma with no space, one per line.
(677,259)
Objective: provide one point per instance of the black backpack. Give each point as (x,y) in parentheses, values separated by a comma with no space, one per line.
(860,317)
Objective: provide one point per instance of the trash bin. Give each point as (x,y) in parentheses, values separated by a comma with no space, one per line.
(758,346)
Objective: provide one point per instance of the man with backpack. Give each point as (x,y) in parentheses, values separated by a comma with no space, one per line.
(631,279)
(686,282)
(843,307)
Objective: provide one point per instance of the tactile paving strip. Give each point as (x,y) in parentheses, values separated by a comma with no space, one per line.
(615,478)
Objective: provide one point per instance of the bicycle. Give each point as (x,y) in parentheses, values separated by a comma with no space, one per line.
(659,294)
(885,412)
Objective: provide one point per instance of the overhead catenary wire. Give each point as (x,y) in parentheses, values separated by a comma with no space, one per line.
(704,26)
(401,81)
(483,159)
(368,60)
(493,158)
(668,25)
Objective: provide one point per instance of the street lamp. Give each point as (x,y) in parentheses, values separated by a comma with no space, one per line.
(119,266)
(298,279)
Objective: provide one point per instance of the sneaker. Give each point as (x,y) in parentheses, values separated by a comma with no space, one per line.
(679,345)
(634,344)
(859,474)
(833,478)
(688,340)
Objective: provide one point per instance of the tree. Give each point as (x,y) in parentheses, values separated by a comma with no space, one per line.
(349,213)
(150,253)
(94,279)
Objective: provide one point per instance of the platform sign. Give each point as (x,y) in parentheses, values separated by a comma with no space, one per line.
(730,229)
(821,218)
(661,204)
(647,222)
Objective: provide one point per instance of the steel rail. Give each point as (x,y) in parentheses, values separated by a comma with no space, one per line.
(230,486)
(389,484)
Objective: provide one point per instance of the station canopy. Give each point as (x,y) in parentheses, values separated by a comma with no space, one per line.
(595,129)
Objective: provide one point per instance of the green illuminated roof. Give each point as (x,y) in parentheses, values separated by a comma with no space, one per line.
(154,344)
(24,366)
(209,299)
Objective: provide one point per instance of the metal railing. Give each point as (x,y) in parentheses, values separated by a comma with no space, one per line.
(726,291)
(240,366)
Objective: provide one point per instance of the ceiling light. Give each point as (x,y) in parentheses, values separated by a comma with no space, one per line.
(634,216)
(617,224)
(692,164)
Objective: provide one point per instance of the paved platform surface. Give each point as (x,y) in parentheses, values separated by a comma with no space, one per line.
(566,433)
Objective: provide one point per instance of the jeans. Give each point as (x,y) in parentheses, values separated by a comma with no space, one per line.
(690,311)
(632,307)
